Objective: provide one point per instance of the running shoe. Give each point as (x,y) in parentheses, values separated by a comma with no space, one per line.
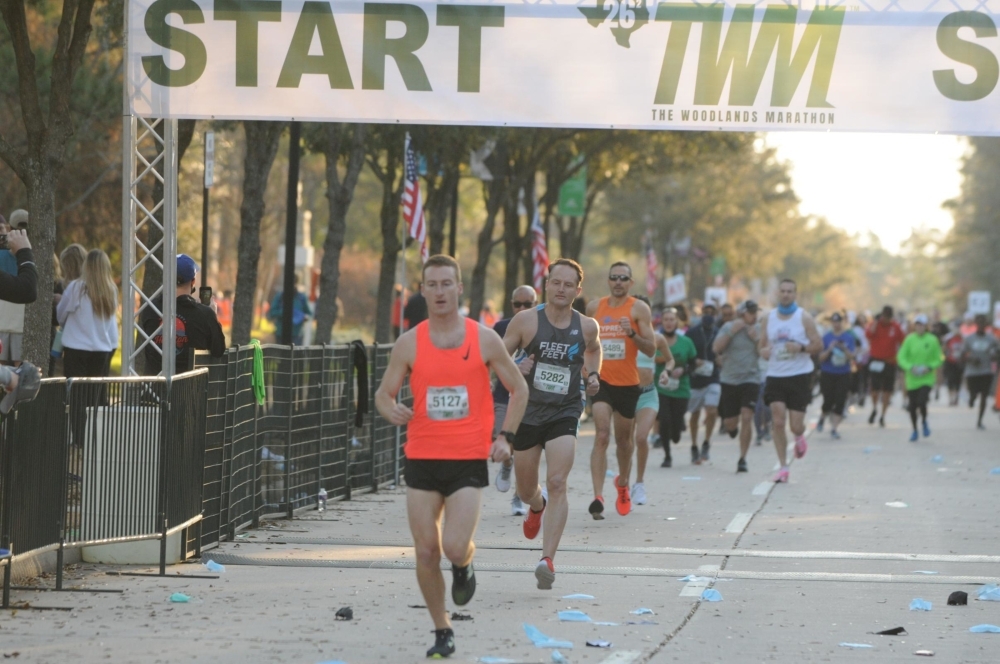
(517,508)
(782,475)
(819,425)
(980,426)
(596,508)
(695,455)
(881,421)
(639,493)
(623,503)
(927,431)
(463,584)
(801,446)
(914,437)
(656,441)
(741,466)
(667,462)
(533,521)
(545,572)
(835,434)
(704,450)
(503,478)
(444,644)
(871,418)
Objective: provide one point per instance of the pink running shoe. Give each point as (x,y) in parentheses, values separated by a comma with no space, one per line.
(800,447)
(782,476)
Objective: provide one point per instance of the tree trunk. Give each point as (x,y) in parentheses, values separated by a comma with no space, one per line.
(339,193)
(512,251)
(439,203)
(262,139)
(41,186)
(389,219)
(526,243)
(495,193)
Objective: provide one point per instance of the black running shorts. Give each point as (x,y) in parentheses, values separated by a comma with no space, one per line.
(532,435)
(621,398)
(446,476)
(793,391)
(885,380)
(979,384)
(736,397)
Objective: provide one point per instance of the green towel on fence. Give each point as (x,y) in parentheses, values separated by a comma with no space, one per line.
(257,379)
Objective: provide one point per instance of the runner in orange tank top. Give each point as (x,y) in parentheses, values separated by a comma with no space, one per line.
(448,358)
(626,328)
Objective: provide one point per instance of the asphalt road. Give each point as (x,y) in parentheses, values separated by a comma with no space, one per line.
(801,569)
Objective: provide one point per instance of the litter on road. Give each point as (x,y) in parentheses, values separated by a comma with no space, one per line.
(599,644)
(896,503)
(574,616)
(895,631)
(180,598)
(856,645)
(542,641)
(578,596)
(344,613)
(711,595)
(920,605)
(985,629)
(642,612)
(958,598)
(990,593)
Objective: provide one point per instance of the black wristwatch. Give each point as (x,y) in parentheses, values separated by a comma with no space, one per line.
(632,335)
(508,435)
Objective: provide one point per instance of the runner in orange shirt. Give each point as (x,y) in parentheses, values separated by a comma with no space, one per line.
(625,329)
(448,434)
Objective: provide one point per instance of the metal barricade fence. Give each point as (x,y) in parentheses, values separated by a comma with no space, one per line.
(99,461)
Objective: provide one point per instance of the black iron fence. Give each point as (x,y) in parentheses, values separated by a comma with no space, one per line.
(91,462)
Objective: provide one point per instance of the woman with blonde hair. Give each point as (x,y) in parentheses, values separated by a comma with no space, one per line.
(71,260)
(87,312)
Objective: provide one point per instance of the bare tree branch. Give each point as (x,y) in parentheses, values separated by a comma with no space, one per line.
(110,168)
(17,26)
(12,158)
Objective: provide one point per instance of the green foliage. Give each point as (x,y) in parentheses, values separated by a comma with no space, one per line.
(973,245)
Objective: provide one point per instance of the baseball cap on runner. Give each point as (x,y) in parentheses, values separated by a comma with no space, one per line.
(748,306)
(920,319)
(836,317)
(29,380)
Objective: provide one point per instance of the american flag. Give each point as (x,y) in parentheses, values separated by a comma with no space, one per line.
(539,252)
(652,266)
(413,206)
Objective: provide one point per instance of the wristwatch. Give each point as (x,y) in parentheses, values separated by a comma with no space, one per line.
(594,373)
(508,435)
(632,335)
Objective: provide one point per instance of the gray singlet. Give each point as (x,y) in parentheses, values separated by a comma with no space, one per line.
(554,381)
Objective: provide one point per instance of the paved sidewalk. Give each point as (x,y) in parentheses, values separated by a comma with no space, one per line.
(801,568)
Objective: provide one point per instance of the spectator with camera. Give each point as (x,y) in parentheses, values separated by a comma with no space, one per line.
(20,288)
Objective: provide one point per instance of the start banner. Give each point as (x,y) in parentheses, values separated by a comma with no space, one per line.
(888,66)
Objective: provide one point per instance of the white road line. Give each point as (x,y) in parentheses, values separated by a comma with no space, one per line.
(695,588)
(762,488)
(623,657)
(739,522)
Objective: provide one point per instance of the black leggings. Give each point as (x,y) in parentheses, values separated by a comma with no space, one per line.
(917,403)
(671,418)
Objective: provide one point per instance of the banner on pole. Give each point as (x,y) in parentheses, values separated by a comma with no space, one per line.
(891,65)
(675,289)
(979,302)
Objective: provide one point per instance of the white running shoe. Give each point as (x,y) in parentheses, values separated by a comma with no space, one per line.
(639,493)
(503,478)
(545,494)
(517,508)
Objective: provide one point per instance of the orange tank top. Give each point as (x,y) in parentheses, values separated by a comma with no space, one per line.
(452,405)
(618,366)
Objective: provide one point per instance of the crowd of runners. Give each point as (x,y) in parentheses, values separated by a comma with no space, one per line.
(647,379)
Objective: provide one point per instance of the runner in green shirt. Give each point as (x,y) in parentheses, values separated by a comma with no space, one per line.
(673,387)
(919,356)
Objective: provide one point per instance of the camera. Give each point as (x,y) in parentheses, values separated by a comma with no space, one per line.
(3,241)
(205,295)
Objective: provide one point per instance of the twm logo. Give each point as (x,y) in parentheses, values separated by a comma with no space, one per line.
(742,60)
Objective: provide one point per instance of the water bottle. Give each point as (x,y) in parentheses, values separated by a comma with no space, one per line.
(321,501)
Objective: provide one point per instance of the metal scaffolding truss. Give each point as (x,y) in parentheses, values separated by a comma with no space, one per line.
(149,231)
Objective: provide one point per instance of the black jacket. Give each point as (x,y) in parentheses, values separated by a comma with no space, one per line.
(23,288)
(198,328)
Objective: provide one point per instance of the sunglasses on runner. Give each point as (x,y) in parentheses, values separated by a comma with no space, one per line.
(517,304)
(619,277)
